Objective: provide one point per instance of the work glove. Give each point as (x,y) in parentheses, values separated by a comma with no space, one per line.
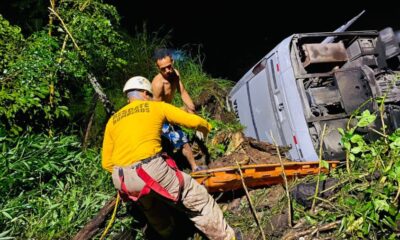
(200,136)
(200,168)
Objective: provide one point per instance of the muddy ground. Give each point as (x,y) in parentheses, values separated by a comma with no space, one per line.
(241,149)
(246,150)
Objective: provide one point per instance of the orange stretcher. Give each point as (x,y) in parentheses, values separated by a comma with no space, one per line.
(256,175)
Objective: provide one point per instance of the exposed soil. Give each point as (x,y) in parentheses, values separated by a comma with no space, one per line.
(213,99)
(246,150)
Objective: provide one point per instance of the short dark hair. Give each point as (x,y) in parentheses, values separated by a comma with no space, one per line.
(162,53)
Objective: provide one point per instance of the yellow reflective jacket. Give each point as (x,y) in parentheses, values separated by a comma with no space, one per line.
(134,132)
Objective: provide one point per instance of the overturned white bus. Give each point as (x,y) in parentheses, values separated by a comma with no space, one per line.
(313,79)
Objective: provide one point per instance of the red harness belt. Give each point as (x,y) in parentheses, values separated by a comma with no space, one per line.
(151,184)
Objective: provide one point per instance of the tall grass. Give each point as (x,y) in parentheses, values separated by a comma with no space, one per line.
(49,187)
(197,81)
(141,50)
(141,47)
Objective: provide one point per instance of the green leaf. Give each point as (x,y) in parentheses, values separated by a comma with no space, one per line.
(395,144)
(373,151)
(355,150)
(352,157)
(356,225)
(380,205)
(324,164)
(356,138)
(347,145)
(393,236)
(366,119)
(310,220)
(3,234)
(7,215)
(350,201)
(341,131)
(392,210)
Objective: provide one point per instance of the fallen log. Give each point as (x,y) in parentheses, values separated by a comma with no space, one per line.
(93,226)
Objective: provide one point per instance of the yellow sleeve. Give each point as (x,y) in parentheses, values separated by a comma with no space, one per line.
(108,146)
(177,116)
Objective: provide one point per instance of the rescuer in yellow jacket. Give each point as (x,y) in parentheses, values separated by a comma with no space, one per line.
(132,153)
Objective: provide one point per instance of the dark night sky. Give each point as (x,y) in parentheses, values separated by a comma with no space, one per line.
(235,34)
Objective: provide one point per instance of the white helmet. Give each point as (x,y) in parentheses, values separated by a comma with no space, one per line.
(137,82)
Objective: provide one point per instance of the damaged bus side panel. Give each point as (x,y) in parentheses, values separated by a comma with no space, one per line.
(306,82)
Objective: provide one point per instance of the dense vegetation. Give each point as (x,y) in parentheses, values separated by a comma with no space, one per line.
(51,124)
(365,199)
(50,187)
(52,119)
